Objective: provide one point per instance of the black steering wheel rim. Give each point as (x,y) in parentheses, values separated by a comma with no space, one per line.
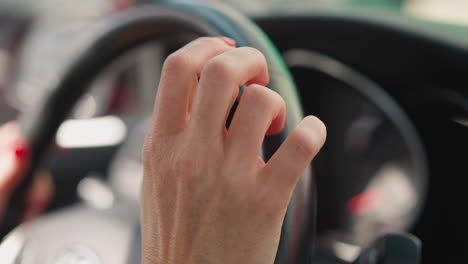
(139,25)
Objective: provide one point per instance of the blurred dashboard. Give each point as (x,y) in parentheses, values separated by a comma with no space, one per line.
(428,77)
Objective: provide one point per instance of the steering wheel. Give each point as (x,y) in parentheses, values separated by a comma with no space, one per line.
(139,25)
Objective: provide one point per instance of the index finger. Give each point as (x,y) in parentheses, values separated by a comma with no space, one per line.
(179,79)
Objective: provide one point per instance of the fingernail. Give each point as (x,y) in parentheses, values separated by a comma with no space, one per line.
(228,41)
(20,149)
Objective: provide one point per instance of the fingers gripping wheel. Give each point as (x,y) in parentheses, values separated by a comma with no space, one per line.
(145,23)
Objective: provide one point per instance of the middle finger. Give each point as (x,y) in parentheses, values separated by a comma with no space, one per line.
(219,85)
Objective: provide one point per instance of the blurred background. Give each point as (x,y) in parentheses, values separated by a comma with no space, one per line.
(99,146)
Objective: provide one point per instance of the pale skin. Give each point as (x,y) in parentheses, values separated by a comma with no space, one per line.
(207,196)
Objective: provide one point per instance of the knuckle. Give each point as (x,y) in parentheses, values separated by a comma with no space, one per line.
(259,62)
(263,97)
(177,62)
(276,98)
(253,52)
(254,94)
(221,67)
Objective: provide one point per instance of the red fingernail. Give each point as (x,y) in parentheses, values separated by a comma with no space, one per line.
(20,149)
(228,41)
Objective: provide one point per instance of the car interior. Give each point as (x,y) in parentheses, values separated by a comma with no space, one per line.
(389,81)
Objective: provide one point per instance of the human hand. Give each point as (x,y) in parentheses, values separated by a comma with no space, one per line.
(14,160)
(207,196)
